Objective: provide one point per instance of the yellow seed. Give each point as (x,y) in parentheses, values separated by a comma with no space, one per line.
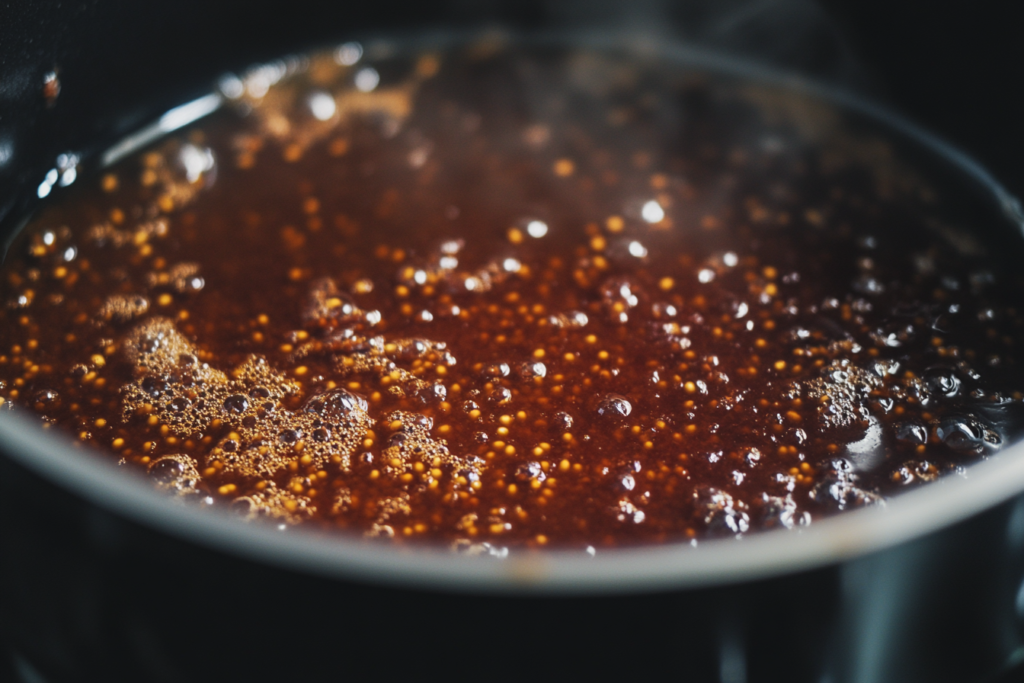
(564,168)
(615,224)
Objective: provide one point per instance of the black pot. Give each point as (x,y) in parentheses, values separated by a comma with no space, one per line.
(103,580)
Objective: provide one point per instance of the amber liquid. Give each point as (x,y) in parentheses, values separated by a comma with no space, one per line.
(496,296)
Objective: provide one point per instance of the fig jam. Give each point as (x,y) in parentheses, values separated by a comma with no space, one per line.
(499,295)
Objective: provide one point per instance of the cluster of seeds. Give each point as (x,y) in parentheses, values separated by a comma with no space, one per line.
(495,296)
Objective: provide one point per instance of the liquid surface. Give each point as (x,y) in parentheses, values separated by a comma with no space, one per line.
(496,297)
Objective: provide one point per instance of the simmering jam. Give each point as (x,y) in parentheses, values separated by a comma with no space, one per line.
(501,295)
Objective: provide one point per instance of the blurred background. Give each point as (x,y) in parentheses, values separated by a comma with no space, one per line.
(958,70)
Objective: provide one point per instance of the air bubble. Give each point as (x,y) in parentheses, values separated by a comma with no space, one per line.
(530,370)
(289,436)
(614,405)
(942,381)
(496,370)
(563,421)
(968,434)
(179,404)
(720,512)
(912,433)
(236,403)
(500,395)
(336,404)
(176,473)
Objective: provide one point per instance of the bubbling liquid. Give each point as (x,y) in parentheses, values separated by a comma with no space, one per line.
(497,295)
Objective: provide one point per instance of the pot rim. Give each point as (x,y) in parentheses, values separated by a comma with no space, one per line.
(761,555)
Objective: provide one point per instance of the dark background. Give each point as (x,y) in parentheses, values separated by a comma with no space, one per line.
(956,68)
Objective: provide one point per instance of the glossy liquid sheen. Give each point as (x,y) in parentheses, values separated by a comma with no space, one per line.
(496,296)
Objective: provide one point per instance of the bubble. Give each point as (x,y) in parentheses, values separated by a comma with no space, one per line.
(782,512)
(572,319)
(618,295)
(236,403)
(276,504)
(290,436)
(838,487)
(496,370)
(705,275)
(47,397)
(499,395)
(562,421)
(529,370)
(628,511)
(413,443)
(335,404)
(968,434)
(175,473)
(328,307)
(842,390)
(942,381)
(719,511)
(614,405)
(911,433)
(435,393)
(179,404)
(530,470)
(153,387)
(121,308)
